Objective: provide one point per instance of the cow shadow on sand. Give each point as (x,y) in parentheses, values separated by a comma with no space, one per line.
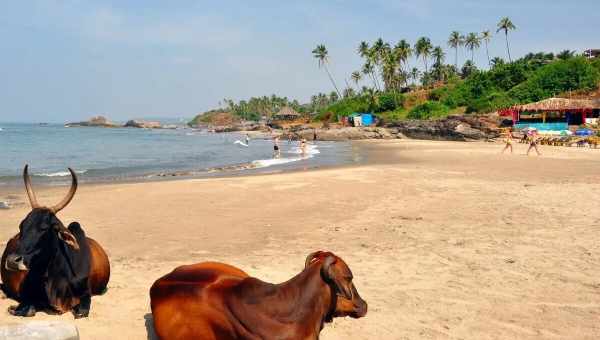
(149,323)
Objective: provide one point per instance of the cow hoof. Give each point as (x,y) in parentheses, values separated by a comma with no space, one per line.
(22,310)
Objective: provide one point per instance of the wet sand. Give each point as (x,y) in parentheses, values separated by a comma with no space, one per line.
(446,239)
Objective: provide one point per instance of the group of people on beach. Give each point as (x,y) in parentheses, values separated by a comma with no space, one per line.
(531,137)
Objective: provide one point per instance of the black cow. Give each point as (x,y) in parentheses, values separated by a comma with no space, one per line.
(63,267)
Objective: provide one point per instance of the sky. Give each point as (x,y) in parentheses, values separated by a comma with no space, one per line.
(69,60)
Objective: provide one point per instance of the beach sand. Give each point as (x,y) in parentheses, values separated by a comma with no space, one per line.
(447,240)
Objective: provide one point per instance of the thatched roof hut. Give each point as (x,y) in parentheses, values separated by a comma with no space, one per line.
(286,113)
(559,105)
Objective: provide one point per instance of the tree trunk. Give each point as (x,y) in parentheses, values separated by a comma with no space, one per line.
(456,58)
(487,52)
(332,81)
(507,47)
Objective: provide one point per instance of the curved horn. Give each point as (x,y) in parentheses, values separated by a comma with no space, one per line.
(30,194)
(60,206)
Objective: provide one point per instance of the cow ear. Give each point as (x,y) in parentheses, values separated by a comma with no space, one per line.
(329,274)
(68,238)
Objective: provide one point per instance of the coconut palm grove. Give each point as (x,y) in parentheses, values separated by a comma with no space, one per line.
(422,80)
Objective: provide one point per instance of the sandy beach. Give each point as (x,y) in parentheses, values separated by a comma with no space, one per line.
(447,240)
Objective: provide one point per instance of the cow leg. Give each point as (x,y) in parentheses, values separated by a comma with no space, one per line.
(23,309)
(82,310)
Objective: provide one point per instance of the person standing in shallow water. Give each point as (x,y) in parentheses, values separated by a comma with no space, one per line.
(509,141)
(276,148)
(247,139)
(303,147)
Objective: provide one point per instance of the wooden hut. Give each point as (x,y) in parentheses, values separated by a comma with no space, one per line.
(553,113)
(286,114)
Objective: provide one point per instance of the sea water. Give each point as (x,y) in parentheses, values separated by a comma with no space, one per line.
(109,154)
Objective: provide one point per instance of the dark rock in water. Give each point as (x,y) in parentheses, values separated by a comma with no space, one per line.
(98,121)
(142,124)
(39,330)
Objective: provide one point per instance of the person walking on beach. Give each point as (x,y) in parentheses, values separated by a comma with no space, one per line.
(276,149)
(247,139)
(509,141)
(533,143)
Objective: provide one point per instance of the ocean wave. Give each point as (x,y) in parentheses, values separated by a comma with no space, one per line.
(60,173)
(311,151)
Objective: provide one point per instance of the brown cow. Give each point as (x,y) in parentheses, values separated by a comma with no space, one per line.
(217,301)
(50,266)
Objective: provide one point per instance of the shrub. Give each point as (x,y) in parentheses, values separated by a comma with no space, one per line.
(387,102)
(557,77)
(428,110)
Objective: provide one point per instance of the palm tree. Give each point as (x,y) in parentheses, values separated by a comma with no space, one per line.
(472,43)
(368,70)
(322,55)
(365,52)
(506,25)
(423,49)
(377,53)
(455,41)
(356,77)
(486,36)
(497,61)
(438,58)
(566,54)
(414,74)
(402,51)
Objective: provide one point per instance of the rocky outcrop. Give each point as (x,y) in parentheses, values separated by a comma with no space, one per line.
(340,134)
(459,128)
(143,124)
(97,121)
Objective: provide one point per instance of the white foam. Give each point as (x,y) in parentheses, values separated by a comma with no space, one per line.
(60,173)
(240,143)
(311,149)
(263,163)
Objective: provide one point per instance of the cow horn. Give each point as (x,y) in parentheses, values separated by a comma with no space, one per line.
(309,258)
(30,194)
(60,206)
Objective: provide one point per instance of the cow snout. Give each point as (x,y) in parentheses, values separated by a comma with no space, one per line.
(15,262)
(360,308)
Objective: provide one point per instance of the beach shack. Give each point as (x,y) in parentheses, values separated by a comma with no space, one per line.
(361,119)
(554,115)
(286,114)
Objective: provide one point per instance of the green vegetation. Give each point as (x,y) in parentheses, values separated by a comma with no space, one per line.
(389,86)
(531,78)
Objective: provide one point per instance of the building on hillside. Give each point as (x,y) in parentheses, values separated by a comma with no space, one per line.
(592,53)
(554,114)
(286,114)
